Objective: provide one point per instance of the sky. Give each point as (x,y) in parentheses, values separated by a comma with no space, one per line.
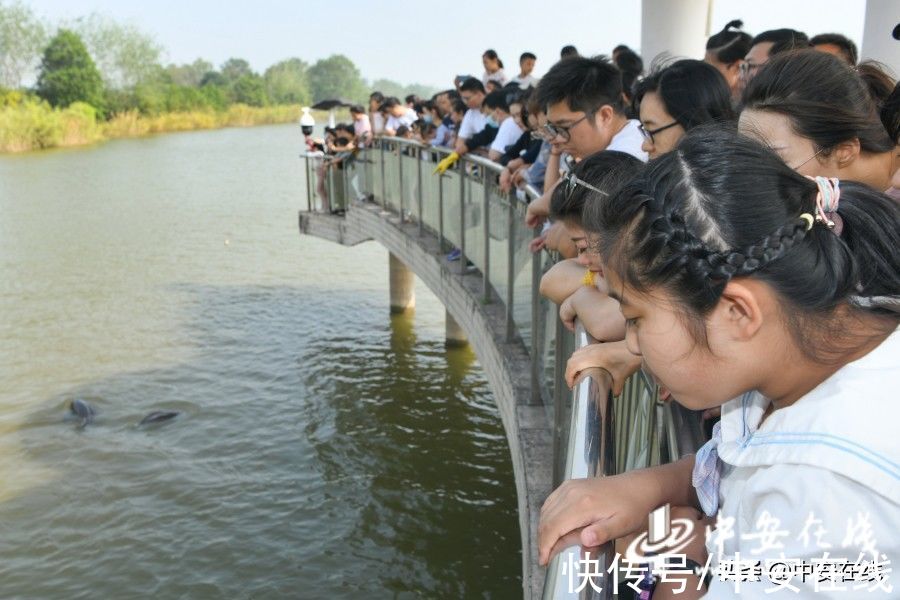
(411,42)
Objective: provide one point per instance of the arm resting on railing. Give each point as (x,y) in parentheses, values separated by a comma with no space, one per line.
(593,511)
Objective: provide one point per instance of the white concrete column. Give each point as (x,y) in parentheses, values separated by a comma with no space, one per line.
(402,285)
(677,27)
(456,337)
(878,43)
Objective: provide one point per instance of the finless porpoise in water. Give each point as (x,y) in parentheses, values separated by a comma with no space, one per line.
(159,416)
(83,411)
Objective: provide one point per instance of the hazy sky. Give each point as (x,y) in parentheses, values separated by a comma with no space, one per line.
(411,41)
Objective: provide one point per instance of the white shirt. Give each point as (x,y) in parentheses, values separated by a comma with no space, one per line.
(499,76)
(407,118)
(629,140)
(473,122)
(377,122)
(508,134)
(527,81)
(834,454)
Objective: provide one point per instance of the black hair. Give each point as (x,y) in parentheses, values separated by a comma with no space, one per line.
(783,40)
(585,84)
(493,86)
(823,97)
(695,219)
(348,127)
(411,99)
(890,114)
(568,52)
(423,105)
(496,100)
(692,91)
(631,65)
(402,130)
(356,109)
(845,44)
(377,97)
(389,103)
(621,48)
(880,85)
(527,55)
(459,106)
(607,171)
(492,54)
(731,44)
(472,84)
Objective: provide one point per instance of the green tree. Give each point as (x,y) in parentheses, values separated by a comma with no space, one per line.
(389,87)
(189,75)
(336,77)
(125,55)
(287,82)
(68,74)
(250,89)
(235,68)
(22,38)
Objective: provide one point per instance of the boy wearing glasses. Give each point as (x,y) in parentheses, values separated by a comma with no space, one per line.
(585,109)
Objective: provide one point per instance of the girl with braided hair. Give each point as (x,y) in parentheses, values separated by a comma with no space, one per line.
(749,286)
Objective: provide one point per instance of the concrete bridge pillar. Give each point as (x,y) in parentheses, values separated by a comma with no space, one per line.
(456,337)
(403,286)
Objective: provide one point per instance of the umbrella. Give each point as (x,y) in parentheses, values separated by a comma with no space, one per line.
(330,105)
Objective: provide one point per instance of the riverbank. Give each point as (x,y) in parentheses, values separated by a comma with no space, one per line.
(30,125)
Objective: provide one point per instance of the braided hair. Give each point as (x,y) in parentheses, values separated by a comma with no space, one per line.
(721,207)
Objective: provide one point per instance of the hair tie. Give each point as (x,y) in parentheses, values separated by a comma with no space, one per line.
(809,220)
(827,200)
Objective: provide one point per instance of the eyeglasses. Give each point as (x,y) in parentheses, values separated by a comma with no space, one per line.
(748,69)
(820,151)
(571,182)
(649,133)
(565,132)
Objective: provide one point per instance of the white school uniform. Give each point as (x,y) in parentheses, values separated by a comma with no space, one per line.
(824,468)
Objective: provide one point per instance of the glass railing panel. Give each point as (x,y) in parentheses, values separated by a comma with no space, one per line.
(409,159)
(430,191)
(392,177)
(474,216)
(499,241)
(450,182)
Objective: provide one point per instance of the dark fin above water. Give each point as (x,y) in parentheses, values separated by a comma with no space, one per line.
(159,416)
(83,411)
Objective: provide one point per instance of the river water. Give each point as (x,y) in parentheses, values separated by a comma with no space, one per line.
(324,449)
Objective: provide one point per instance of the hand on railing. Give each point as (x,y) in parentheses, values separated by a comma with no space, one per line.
(612,357)
(446,163)
(594,511)
(591,512)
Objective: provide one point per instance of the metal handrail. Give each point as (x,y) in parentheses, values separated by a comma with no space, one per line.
(589,453)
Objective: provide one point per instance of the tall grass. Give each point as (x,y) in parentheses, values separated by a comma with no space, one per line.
(28,124)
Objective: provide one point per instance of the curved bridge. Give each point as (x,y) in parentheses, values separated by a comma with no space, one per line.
(389,194)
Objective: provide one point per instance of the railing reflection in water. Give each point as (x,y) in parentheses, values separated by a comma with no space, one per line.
(595,434)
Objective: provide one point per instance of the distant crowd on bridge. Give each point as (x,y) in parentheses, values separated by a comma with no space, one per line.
(731,225)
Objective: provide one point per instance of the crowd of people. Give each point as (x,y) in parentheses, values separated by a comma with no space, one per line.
(731,225)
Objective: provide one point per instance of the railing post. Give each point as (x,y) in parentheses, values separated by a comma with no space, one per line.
(419,188)
(400,177)
(330,190)
(308,184)
(560,414)
(441,212)
(511,269)
(462,218)
(536,325)
(486,279)
(381,144)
